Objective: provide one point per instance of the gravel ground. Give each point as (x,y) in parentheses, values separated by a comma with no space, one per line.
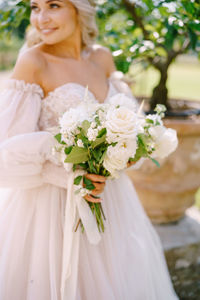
(187,282)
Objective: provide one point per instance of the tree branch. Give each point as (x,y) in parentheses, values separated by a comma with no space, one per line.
(138,19)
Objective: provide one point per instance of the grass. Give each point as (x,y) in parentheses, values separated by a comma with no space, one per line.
(183,82)
(197,198)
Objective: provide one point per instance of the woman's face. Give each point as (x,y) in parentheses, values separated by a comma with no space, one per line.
(55,20)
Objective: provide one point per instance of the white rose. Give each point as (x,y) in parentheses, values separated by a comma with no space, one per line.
(165,140)
(122,100)
(70,120)
(117,157)
(121,124)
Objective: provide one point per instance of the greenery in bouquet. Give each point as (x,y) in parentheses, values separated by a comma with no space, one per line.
(103,138)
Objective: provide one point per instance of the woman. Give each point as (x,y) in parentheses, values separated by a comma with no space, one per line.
(49,78)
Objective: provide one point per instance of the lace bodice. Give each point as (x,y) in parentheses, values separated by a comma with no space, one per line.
(28,123)
(62,98)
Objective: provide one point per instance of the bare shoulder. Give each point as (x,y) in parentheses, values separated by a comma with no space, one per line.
(104,57)
(29,65)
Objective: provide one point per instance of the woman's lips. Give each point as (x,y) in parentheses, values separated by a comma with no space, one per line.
(47,30)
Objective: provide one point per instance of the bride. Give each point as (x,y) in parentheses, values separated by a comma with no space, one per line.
(49,78)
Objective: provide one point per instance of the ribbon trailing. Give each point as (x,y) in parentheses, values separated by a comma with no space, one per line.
(76,208)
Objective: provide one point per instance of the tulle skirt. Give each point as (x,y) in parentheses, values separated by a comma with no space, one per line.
(127,264)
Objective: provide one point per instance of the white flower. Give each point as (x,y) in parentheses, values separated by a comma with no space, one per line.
(92,134)
(80,143)
(121,124)
(70,120)
(165,141)
(79,189)
(84,192)
(68,139)
(117,157)
(93,124)
(122,100)
(160,109)
(155,118)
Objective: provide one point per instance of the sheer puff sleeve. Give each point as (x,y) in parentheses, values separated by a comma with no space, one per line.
(25,152)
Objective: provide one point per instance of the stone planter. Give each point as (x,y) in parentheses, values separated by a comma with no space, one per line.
(166,192)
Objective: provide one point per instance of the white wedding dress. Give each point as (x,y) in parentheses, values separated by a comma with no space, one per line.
(127,264)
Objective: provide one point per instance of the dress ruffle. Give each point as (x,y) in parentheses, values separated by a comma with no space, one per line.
(23,86)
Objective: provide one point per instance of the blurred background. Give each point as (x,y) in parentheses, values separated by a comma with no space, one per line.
(156,46)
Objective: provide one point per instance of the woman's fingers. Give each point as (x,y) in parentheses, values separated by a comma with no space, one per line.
(99,186)
(95,178)
(99,183)
(92,199)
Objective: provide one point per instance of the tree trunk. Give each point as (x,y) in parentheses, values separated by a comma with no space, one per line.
(160,92)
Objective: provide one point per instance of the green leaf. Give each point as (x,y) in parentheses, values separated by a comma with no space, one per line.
(149,121)
(161,51)
(102,132)
(58,137)
(68,150)
(91,165)
(98,141)
(155,162)
(114,144)
(141,150)
(77,155)
(88,183)
(97,153)
(85,126)
(77,180)
(102,158)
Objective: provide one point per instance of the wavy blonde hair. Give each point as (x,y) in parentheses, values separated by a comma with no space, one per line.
(86,13)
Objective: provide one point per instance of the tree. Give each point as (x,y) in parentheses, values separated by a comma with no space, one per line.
(14,17)
(152,31)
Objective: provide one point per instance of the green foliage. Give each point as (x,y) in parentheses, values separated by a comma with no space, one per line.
(149,29)
(13,13)
(77,155)
(88,183)
(152,32)
(77,180)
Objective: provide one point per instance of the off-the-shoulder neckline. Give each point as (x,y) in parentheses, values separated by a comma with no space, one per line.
(36,88)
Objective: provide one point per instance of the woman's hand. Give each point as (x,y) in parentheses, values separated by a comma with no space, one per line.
(99,183)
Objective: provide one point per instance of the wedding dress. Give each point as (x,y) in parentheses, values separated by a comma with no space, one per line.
(127,264)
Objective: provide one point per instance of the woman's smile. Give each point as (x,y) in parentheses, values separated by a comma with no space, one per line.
(47,30)
(55,20)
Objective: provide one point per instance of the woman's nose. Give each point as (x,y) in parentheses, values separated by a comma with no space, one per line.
(43,17)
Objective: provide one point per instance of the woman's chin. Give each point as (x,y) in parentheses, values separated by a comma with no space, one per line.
(50,41)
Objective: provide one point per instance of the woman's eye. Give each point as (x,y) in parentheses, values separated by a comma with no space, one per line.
(54,5)
(33,7)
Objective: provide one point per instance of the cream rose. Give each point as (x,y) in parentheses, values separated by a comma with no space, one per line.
(122,100)
(117,157)
(70,120)
(121,124)
(165,140)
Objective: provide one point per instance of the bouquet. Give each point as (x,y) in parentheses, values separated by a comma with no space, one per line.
(103,138)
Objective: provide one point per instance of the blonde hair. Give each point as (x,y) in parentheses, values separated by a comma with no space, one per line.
(86,13)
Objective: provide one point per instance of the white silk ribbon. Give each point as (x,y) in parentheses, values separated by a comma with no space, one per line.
(76,207)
